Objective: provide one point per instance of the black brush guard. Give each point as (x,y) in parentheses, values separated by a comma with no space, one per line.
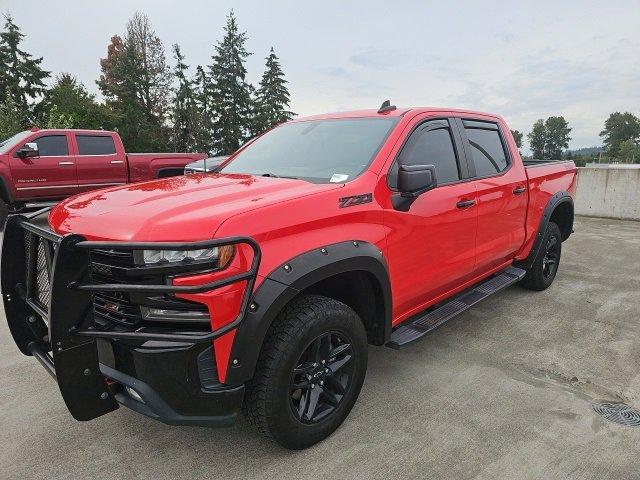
(62,335)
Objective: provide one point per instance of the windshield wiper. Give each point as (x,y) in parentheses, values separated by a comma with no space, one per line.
(273,175)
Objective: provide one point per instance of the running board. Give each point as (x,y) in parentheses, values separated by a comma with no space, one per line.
(410,332)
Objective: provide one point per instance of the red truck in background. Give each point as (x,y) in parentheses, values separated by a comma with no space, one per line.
(258,288)
(40,165)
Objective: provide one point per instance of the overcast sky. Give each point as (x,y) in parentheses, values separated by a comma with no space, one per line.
(521,60)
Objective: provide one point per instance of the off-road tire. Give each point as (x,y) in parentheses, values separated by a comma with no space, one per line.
(267,399)
(536,278)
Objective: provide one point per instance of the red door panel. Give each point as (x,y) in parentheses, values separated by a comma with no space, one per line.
(431,244)
(501,219)
(98,162)
(431,248)
(502,196)
(51,175)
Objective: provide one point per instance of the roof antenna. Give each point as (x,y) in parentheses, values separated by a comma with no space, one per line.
(386,107)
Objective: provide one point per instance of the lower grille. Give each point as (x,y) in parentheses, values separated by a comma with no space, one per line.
(39,255)
(112,308)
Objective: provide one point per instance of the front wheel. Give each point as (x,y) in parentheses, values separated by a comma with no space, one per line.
(544,268)
(309,373)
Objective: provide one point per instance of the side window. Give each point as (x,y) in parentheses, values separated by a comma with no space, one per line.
(487,151)
(52,146)
(95,145)
(432,147)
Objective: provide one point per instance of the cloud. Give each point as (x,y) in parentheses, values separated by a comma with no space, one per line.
(377,58)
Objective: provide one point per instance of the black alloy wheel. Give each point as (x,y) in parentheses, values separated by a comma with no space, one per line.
(551,257)
(322,377)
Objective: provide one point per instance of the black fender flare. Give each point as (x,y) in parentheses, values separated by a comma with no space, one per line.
(553,203)
(287,281)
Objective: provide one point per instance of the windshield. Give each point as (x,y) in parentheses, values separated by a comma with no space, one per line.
(317,150)
(5,145)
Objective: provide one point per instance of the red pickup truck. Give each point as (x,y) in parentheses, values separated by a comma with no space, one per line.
(260,286)
(37,165)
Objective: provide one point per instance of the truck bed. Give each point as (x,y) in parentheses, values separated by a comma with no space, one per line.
(533,162)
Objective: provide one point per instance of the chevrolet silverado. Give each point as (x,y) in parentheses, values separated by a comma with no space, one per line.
(258,288)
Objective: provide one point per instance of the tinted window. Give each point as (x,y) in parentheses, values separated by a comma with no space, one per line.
(52,146)
(332,150)
(95,145)
(432,147)
(487,151)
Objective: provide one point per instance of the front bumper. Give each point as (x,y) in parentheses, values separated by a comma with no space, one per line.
(164,374)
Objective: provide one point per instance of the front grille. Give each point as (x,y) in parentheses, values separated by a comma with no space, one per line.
(112,308)
(39,255)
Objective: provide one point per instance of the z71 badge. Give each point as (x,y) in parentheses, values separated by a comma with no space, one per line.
(355,200)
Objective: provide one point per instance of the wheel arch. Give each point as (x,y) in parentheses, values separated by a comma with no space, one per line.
(5,193)
(353,272)
(560,210)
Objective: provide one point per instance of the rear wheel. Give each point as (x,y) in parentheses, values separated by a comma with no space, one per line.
(544,268)
(310,372)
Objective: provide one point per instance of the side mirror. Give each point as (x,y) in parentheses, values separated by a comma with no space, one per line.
(212,165)
(414,180)
(30,150)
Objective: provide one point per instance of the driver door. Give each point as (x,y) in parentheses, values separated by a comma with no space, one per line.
(431,245)
(52,174)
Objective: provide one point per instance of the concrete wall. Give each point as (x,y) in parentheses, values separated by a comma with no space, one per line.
(608,192)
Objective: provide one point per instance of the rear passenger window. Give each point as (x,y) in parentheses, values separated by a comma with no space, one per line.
(487,151)
(432,147)
(95,145)
(52,146)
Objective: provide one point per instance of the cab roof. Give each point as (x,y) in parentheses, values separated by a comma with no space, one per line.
(398,112)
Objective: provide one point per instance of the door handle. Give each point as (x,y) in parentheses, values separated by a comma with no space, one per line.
(66,163)
(519,190)
(117,161)
(465,203)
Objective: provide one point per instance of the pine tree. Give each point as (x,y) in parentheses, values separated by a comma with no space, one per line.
(9,119)
(183,112)
(230,101)
(69,98)
(272,96)
(21,75)
(204,127)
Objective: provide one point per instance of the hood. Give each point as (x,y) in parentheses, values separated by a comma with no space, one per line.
(186,208)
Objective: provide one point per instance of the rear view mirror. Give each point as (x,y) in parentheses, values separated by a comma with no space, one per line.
(30,150)
(414,180)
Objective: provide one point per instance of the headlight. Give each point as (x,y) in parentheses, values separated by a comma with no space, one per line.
(222,255)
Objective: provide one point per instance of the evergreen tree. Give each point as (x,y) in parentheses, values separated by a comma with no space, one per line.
(135,81)
(10,123)
(272,96)
(204,126)
(537,138)
(229,102)
(184,115)
(21,75)
(70,99)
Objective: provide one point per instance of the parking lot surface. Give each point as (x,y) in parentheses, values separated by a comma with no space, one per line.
(503,391)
